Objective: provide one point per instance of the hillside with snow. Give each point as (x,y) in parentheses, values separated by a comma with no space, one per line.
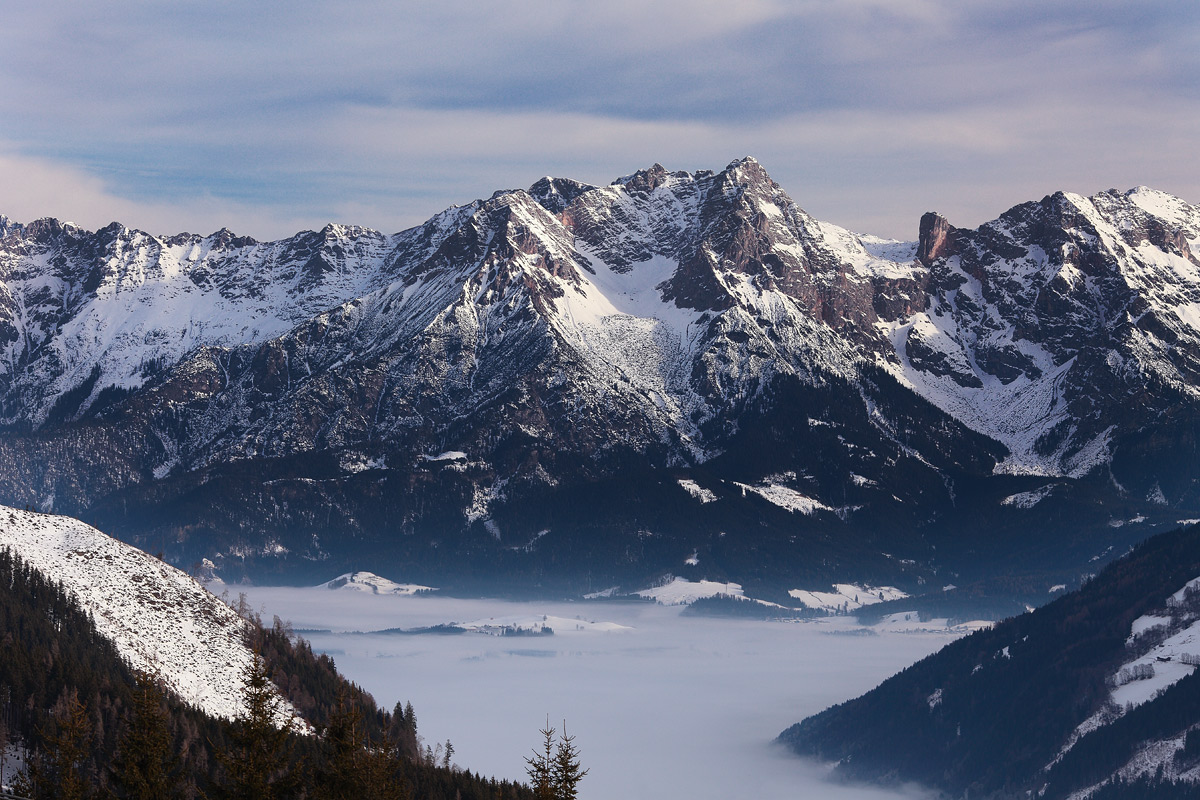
(371,583)
(1101,684)
(160,619)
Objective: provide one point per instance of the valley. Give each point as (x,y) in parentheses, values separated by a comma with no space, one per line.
(664,705)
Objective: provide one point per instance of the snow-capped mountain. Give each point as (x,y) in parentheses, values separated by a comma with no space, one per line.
(530,381)
(161,620)
(1044,327)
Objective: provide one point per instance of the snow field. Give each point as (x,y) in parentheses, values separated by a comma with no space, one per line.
(160,619)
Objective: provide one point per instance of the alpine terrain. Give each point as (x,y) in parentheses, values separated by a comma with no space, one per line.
(574,387)
(1094,695)
(122,676)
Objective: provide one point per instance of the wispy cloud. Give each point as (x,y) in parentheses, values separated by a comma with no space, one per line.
(34,188)
(868,111)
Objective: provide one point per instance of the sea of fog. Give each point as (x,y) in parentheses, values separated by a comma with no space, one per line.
(664,706)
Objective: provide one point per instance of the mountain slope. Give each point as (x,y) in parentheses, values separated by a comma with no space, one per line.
(1045,326)
(161,621)
(81,613)
(1099,683)
(451,398)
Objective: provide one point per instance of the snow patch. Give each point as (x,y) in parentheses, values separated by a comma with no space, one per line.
(1027,500)
(846,597)
(682,592)
(785,498)
(373,584)
(449,455)
(696,490)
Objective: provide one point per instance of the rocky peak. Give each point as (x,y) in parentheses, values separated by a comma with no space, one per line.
(46,230)
(935,239)
(647,180)
(555,194)
(525,227)
(227,239)
(747,170)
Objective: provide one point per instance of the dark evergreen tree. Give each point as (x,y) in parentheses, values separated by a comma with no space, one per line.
(339,777)
(381,777)
(554,771)
(566,768)
(352,767)
(258,762)
(59,770)
(540,766)
(145,766)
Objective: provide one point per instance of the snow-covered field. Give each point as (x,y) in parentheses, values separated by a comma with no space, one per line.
(662,705)
(846,597)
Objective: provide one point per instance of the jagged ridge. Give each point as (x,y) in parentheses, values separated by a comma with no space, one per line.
(570,334)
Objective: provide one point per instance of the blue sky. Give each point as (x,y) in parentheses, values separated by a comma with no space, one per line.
(271,117)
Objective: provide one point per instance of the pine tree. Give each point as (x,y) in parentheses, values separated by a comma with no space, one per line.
(145,767)
(57,773)
(554,771)
(354,769)
(340,775)
(381,777)
(565,769)
(540,766)
(257,765)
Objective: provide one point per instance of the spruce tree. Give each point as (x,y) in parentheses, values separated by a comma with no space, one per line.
(381,774)
(554,771)
(540,766)
(145,767)
(566,768)
(339,777)
(58,771)
(352,767)
(257,765)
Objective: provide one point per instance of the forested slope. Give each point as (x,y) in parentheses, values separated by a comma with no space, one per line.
(1060,699)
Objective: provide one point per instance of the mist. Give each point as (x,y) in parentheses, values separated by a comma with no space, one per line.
(668,706)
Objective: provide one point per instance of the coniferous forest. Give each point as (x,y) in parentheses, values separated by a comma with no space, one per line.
(96,729)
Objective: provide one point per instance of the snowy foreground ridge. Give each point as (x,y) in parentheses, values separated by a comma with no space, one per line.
(160,619)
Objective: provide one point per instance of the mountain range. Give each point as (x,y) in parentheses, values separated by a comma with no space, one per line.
(575,387)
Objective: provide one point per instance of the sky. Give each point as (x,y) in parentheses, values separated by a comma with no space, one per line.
(272,117)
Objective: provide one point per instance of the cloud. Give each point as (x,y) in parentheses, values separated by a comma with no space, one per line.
(869,111)
(671,707)
(33,188)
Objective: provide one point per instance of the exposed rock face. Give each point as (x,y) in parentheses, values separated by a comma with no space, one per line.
(935,240)
(281,400)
